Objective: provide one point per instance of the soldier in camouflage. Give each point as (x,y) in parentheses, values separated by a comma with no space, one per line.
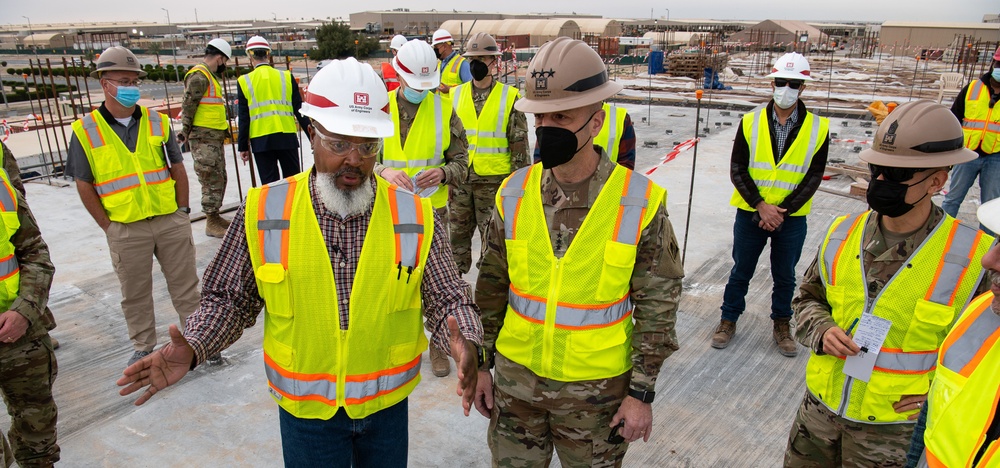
(491,158)
(533,404)
(898,245)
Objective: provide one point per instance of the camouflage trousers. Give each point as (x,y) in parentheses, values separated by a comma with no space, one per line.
(27,370)
(532,414)
(210,165)
(820,438)
(470,207)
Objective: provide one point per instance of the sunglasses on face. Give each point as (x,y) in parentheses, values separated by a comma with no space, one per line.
(894,174)
(342,148)
(781,83)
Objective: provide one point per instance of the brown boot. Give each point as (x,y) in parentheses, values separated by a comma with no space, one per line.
(439,362)
(783,338)
(215,225)
(723,334)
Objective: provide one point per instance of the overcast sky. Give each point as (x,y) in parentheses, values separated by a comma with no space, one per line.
(183,11)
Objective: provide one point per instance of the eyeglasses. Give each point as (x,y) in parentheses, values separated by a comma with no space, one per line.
(342,148)
(894,174)
(125,82)
(782,82)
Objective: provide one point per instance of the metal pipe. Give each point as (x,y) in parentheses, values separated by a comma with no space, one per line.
(41,149)
(55,97)
(41,114)
(694,162)
(72,101)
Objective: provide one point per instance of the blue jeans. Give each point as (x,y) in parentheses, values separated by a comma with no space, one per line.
(987,168)
(380,440)
(748,243)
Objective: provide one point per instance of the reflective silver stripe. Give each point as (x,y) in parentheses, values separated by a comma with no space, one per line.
(956,261)
(974,125)
(813,141)
(409,227)
(93,133)
(470,132)
(124,183)
(275,112)
(906,362)
(754,131)
(632,208)
(964,349)
(510,195)
(993,127)
(8,267)
(159,175)
(439,133)
(301,388)
(6,199)
(155,123)
(837,238)
(211,100)
(612,124)
(380,384)
(246,81)
(500,134)
(270,102)
(413,163)
(567,316)
(775,183)
(977,88)
(503,107)
(455,102)
(502,149)
(274,210)
(761,165)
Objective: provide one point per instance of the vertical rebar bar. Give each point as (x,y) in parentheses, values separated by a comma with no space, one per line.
(41,114)
(55,97)
(41,149)
(72,101)
(86,85)
(232,135)
(694,161)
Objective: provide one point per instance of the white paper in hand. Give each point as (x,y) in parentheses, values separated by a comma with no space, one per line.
(422,193)
(869,336)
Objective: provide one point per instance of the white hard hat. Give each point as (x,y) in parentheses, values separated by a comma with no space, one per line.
(222,45)
(348,98)
(989,214)
(792,66)
(416,63)
(257,42)
(397,41)
(440,36)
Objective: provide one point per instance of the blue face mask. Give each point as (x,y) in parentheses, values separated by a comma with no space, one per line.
(127,95)
(996,73)
(415,96)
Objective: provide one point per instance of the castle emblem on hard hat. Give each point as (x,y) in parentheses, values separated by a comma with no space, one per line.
(425,70)
(790,66)
(361,99)
(890,135)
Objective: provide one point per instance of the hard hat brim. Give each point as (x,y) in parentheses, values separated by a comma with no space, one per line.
(359,126)
(790,76)
(949,158)
(989,215)
(96,74)
(417,83)
(591,96)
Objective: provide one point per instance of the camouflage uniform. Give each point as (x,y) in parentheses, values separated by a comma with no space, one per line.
(28,365)
(819,437)
(471,203)
(578,414)
(13,172)
(206,146)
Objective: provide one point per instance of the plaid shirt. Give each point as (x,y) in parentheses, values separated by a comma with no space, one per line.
(230,301)
(781,131)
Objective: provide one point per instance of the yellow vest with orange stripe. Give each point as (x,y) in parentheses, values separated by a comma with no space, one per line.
(211,111)
(132,185)
(570,318)
(963,399)
(314,367)
(921,302)
(610,136)
(10,273)
(428,139)
(451,72)
(981,124)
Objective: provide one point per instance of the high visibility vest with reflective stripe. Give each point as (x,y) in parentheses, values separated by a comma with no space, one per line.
(981,124)
(570,318)
(966,390)
(312,366)
(389,76)
(451,71)
(921,301)
(610,136)
(211,111)
(10,273)
(775,182)
(132,185)
(428,139)
(269,96)
(489,153)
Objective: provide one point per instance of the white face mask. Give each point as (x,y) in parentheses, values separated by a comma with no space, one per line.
(785,97)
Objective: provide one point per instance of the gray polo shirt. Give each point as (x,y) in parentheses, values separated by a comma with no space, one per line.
(77,165)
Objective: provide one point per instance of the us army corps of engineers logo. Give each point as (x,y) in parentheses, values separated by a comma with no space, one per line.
(542,81)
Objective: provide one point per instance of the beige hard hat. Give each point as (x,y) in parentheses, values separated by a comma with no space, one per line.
(565,74)
(481,45)
(117,58)
(919,134)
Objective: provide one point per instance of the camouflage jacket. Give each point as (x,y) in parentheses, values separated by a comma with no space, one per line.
(656,277)
(517,137)
(13,172)
(195,86)
(813,315)
(36,272)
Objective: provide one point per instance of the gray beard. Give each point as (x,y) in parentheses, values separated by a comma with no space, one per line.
(344,203)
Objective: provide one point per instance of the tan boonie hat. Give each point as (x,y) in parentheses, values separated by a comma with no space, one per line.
(565,74)
(117,58)
(919,134)
(481,44)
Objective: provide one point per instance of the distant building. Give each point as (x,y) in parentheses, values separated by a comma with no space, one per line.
(781,33)
(925,35)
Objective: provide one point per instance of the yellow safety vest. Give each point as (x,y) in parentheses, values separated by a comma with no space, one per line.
(963,398)
(269,96)
(981,124)
(775,182)
(313,367)
(132,185)
(921,302)
(10,272)
(570,318)
(211,111)
(610,136)
(487,132)
(428,139)
(451,71)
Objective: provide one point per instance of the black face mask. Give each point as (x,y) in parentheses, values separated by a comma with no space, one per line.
(479,69)
(221,69)
(556,145)
(889,198)
(437,53)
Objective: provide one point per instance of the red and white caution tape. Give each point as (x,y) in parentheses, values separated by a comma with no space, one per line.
(683,146)
(6,129)
(841,140)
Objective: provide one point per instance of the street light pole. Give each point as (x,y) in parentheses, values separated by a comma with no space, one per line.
(34,41)
(173,45)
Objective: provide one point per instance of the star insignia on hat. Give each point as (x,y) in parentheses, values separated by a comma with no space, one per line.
(551,72)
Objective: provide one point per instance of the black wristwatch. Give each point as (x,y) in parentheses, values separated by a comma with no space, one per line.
(185,209)
(645,396)
(482,357)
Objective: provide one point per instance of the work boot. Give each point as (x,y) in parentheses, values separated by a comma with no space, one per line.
(215,359)
(724,333)
(136,356)
(783,338)
(215,225)
(439,362)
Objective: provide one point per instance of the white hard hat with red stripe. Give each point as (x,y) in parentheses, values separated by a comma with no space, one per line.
(348,98)
(441,36)
(417,65)
(397,41)
(257,42)
(791,66)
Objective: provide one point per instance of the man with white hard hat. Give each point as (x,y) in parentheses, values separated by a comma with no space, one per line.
(342,345)
(777,165)
(578,284)
(388,73)
(203,114)
(454,68)
(883,291)
(269,102)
